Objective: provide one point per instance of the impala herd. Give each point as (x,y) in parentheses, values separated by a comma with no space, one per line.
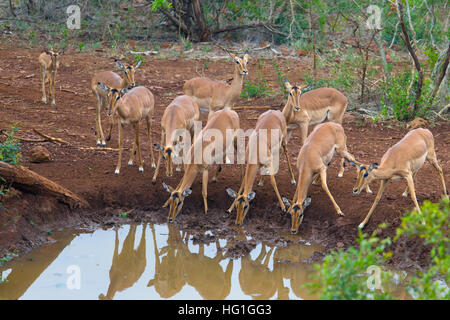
(131,104)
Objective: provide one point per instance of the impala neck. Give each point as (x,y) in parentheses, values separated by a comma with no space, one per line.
(381,174)
(249,178)
(288,110)
(236,84)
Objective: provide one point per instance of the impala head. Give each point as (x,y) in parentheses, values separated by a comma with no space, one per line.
(169,153)
(294,94)
(113,96)
(296,211)
(129,71)
(241,63)
(242,204)
(364,176)
(176,201)
(55,56)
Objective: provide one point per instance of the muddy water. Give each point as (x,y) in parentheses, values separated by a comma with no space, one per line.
(154,262)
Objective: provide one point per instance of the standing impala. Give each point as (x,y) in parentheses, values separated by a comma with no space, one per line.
(313,160)
(401,161)
(104,97)
(261,138)
(180,114)
(313,107)
(215,95)
(200,160)
(132,106)
(49,63)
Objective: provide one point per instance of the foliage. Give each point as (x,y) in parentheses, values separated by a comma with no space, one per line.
(435,232)
(342,276)
(10,148)
(258,89)
(158,5)
(397,101)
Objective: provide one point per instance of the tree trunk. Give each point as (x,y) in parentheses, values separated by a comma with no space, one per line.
(205,34)
(29,181)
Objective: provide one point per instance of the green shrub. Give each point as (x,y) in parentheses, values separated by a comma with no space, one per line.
(343,274)
(255,90)
(10,148)
(432,284)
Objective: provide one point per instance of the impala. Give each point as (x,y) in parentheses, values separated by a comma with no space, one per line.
(115,83)
(215,95)
(313,160)
(180,114)
(313,107)
(401,161)
(132,106)
(220,122)
(49,63)
(268,122)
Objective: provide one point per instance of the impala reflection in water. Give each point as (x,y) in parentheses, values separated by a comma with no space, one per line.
(155,262)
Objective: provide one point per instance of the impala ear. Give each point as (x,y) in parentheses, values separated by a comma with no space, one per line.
(251,196)
(246,56)
(286,202)
(231,192)
(287,85)
(123,91)
(48,52)
(103,86)
(120,65)
(61,52)
(187,192)
(167,188)
(373,166)
(158,147)
(231,54)
(138,64)
(306,203)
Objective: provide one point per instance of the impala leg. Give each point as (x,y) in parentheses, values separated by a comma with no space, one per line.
(120,148)
(406,192)
(412,191)
(261,180)
(159,158)
(342,169)
(138,146)
(149,133)
(377,198)
(275,188)
(433,161)
(133,153)
(323,178)
(98,120)
(205,189)
(111,124)
(53,79)
(291,172)
(43,79)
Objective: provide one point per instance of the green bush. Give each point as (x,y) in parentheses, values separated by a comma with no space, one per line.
(10,148)
(432,284)
(343,274)
(397,102)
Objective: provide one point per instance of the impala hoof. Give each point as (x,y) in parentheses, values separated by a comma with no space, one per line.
(293,232)
(141,169)
(104,143)
(214,179)
(361,225)
(170,220)
(44,100)
(53,102)
(130,163)
(405,194)
(340,175)
(99,143)
(153,165)
(178,169)
(293,182)
(117,171)
(154,181)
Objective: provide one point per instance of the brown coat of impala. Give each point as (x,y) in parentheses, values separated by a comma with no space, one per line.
(49,64)
(179,115)
(220,122)
(214,95)
(132,107)
(115,83)
(313,107)
(267,123)
(401,161)
(313,159)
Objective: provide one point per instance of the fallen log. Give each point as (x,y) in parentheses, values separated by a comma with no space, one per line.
(24,179)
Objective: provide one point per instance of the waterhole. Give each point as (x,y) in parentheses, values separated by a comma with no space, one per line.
(151,261)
